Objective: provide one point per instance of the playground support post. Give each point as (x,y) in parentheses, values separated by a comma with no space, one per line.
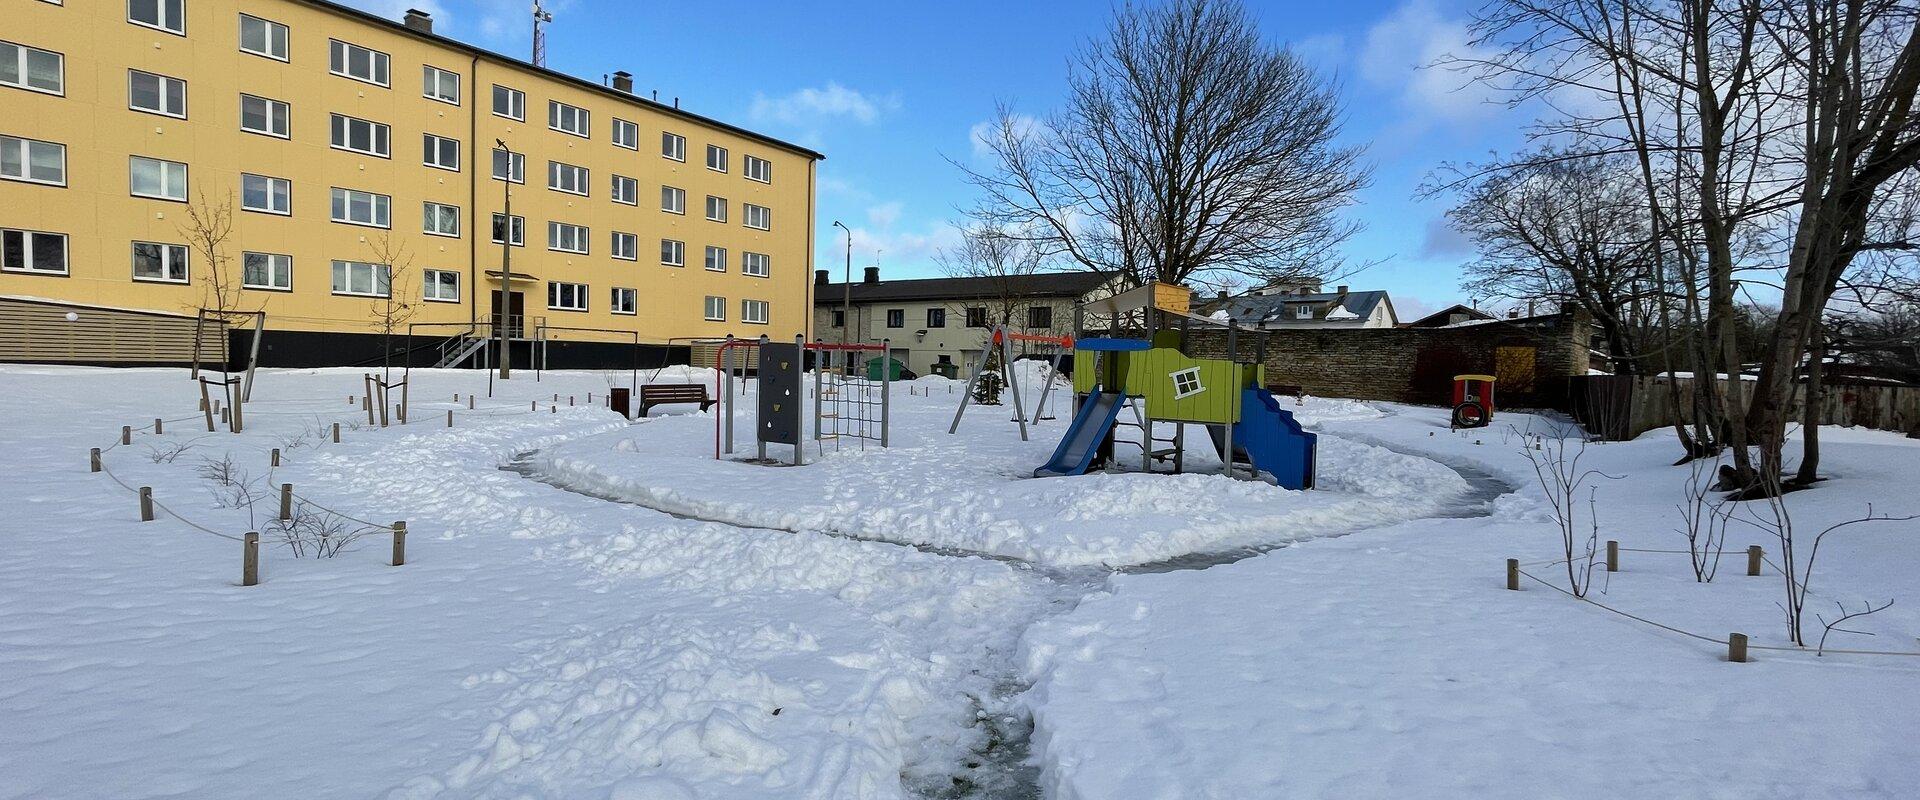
(1226,452)
(886,387)
(726,373)
(799,385)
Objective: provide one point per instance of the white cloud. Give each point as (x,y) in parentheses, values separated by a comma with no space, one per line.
(812,106)
(884,215)
(1399,53)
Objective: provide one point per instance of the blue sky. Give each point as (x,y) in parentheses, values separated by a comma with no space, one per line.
(890,90)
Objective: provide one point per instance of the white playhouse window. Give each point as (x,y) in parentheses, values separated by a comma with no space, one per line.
(1186,383)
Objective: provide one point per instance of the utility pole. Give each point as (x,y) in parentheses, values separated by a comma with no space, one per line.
(846,303)
(501,319)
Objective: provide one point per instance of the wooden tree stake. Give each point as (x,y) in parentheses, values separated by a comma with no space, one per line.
(399,543)
(146,504)
(1613,556)
(250,560)
(276,456)
(449,417)
(469,402)
(126,434)
(159,426)
(286,501)
(1737,648)
(1754,556)
(1513,574)
(93,459)
(336,433)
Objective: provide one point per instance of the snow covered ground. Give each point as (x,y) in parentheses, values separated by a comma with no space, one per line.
(596,609)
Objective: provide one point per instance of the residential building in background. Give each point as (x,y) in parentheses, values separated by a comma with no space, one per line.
(1302,304)
(934,321)
(359,160)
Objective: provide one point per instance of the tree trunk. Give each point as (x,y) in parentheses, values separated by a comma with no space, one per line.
(1810,416)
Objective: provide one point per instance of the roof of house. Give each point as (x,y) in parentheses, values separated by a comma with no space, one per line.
(1282,309)
(1444,316)
(1036,285)
(397,26)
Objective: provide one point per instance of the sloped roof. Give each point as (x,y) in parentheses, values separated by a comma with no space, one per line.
(1279,310)
(1036,285)
(1445,316)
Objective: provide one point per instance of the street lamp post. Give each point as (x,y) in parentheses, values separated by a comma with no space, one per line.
(506,267)
(846,302)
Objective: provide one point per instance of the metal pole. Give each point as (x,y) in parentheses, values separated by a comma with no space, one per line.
(1013,380)
(818,370)
(253,355)
(979,366)
(886,387)
(800,381)
(726,373)
(846,302)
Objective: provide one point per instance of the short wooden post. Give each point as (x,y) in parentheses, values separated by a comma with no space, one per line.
(456,397)
(1513,574)
(286,501)
(276,457)
(226,416)
(250,560)
(93,459)
(1613,556)
(1754,557)
(336,433)
(1737,648)
(349,399)
(399,543)
(554,409)
(569,400)
(146,504)
(159,426)
(533,405)
(126,434)
(556,397)
(469,402)
(449,417)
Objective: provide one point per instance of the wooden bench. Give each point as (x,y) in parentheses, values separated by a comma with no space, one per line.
(660,394)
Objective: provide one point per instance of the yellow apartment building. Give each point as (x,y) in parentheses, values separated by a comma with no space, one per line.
(360,163)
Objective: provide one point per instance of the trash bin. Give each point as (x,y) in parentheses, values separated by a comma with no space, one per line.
(946,369)
(892,365)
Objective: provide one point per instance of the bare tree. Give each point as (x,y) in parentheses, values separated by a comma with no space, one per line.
(1188,149)
(398,303)
(1567,229)
(998,259)
(208,227)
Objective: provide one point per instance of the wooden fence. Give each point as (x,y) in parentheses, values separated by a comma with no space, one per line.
(1620,407)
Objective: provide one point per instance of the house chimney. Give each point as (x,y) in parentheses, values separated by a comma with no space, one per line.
(419,20)
(819,277)
(872,275)
(623,81)
(1341,290)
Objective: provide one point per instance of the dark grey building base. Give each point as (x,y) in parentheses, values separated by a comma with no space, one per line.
(327,349)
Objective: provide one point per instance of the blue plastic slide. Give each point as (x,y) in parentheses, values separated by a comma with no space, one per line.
(1090,426)
(1272,440)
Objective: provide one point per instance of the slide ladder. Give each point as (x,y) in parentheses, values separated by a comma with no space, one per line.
(1269,438)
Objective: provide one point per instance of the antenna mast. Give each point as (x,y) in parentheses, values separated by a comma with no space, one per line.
(540,16)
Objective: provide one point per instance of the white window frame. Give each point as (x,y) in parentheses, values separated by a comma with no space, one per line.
(516,223)
(582,119)
(377,276)
(747,307)
(160,92)
(624,246)
(516,103)
(22,54)
(714,309)
(757,169)
(286,116)
(160,21)
(380,205)
(432,289)
(673,200)
(26,147)
(747,214)
(286,38)
(749,259)
(673,146)
(673,252)
(379,64)
(1303,312)
(377,133)
(27,240)
(569,178)
(624,301)
(168,253)
(516,166)
(1186,382)
(432,212)
(626,133)
(282,268)
(711,150)
(556,291)
(271,182)
(433,84)
(714,264)
(710,207)
(624,190)
(558,232)
(433,151)
(169,177)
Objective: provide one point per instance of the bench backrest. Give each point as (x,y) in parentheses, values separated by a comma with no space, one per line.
(665,390)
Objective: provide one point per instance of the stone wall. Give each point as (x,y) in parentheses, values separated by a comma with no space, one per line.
(1417,365)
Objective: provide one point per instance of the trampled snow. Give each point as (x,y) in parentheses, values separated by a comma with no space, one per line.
(593,608)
